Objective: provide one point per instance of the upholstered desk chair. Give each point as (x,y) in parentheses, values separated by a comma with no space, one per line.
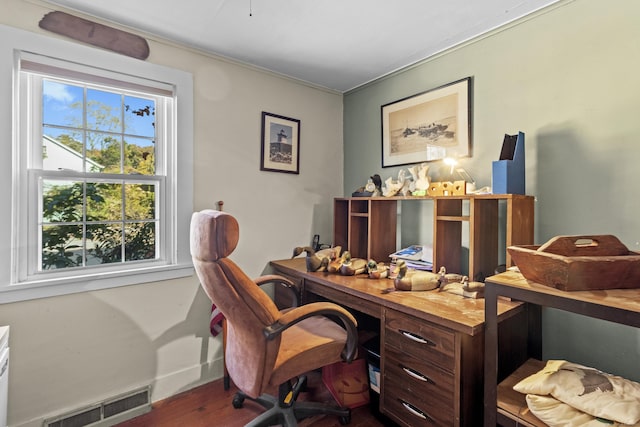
(268,349)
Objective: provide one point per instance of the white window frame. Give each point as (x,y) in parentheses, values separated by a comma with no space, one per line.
(174,261)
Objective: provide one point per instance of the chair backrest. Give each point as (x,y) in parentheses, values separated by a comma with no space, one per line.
(249,357)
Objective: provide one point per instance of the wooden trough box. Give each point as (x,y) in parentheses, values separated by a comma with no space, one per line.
(579,263)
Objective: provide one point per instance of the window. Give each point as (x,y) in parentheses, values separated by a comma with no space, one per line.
(99,185)
(95,184)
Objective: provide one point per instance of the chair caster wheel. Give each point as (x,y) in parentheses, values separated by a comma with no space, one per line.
(345,420)
(237,401)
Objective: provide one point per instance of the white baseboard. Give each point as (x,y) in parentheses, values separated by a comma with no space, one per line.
(162,387)
(186,379)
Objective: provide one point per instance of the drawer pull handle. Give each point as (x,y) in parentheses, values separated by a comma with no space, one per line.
(417,338)
(417,375)
(415,411)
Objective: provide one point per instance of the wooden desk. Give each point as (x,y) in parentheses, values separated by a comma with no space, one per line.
(432,343)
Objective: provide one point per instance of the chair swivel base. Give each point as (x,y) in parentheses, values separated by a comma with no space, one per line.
(288,414)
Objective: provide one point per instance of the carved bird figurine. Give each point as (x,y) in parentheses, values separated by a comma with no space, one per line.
(415,280)
(335,264)
(423,181)
(377,182)
(413,170)
(464,287)
(392,187)
(405,190)
(352,266)
(448,277)
(470,286)
(377,270)
(317,260)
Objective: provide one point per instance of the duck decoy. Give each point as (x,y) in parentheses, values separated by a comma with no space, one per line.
(317,260)
(352,266)
(415,280)
(377,270)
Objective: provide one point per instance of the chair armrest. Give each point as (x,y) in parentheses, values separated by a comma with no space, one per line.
(282,281)
(329,309)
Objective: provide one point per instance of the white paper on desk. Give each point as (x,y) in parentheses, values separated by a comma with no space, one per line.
(419,265)
(427,253)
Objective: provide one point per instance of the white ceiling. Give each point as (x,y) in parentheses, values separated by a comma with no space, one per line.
(336,44)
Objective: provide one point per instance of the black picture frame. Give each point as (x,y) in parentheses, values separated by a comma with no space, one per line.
(428,126)
(280,144)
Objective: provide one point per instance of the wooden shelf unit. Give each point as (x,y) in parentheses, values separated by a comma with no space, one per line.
(367,227)
(502,406)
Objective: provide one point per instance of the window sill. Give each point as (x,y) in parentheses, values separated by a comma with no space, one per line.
(49,288)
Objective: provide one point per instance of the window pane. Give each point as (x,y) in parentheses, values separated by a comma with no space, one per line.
(61,149)
(61,201)
(104,112)
(97,204)
(139,157)
(61,104)
(139,118)
(103,152)
(104,243)
(140,201)
(61,246)
(140,241)
(104,201)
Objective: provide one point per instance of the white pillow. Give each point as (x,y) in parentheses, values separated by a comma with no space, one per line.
(557,414)
(586,389)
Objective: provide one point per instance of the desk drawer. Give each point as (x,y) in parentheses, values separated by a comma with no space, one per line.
(418,377)
(420,339)
(413,409)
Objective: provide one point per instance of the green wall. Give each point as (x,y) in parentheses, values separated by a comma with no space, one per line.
(568,77)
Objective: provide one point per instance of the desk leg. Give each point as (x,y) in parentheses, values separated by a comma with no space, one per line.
(490,355)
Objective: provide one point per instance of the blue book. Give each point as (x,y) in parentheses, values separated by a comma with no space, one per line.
(413,252)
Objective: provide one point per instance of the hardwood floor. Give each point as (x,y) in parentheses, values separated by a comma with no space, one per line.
(210,405)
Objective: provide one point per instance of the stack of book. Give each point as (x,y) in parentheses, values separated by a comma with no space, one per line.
(418,257)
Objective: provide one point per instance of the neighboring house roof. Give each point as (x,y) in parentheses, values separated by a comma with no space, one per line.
(70,152)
